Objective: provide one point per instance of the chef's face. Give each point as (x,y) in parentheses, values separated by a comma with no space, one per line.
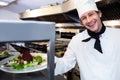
(91,20)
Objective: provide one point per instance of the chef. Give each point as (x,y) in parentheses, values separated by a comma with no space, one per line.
(96,50)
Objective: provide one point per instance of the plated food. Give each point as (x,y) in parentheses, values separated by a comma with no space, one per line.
(4,54)
(22,64)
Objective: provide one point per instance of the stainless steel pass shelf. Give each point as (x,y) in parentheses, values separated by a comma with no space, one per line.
(23,31)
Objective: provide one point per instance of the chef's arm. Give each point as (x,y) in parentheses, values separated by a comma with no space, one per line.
(66,63)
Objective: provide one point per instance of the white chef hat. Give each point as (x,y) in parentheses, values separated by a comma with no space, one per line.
(83,6)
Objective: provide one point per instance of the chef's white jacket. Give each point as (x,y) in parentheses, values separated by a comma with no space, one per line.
(92,64)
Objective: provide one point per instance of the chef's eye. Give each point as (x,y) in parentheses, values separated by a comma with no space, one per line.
(83,18)
(90,14)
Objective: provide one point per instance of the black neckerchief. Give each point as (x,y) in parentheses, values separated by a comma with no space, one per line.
(96,36)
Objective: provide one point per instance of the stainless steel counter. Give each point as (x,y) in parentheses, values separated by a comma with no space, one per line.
(40,75)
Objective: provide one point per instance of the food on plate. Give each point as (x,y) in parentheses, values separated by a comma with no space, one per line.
(24,61)
(5,54)
(26,56)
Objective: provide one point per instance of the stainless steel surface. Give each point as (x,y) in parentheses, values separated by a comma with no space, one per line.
(49,10)
(40,75)
(66,12)
(112,23)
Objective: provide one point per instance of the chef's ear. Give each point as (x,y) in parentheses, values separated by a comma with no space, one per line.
(100,13)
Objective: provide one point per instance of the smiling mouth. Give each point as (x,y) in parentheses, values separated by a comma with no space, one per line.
(91,24)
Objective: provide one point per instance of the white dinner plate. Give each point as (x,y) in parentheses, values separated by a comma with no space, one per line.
(42,66)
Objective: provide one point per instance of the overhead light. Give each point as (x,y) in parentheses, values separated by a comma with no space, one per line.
(3,3)
(98,0)
(7,2)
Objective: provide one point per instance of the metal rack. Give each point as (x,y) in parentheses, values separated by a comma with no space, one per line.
(23,31)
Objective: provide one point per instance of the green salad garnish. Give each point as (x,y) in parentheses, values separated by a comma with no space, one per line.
(18,63)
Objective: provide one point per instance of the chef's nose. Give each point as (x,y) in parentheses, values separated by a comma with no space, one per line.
(88,19)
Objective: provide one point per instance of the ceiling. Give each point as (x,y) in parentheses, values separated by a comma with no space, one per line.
(19,6)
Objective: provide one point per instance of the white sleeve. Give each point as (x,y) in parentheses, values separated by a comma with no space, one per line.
(67,62)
